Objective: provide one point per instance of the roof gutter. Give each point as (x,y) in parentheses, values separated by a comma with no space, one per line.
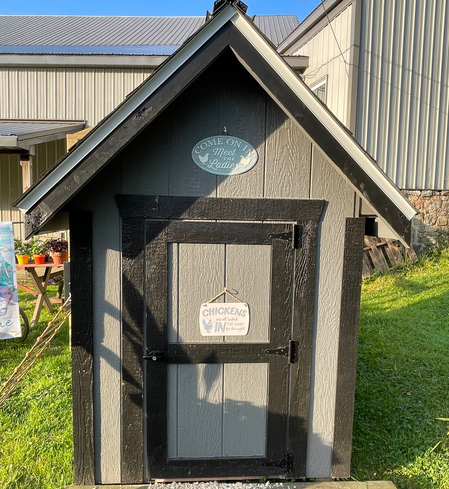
(297,63)
(80,60)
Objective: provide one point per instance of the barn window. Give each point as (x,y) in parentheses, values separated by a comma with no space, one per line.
(320,89)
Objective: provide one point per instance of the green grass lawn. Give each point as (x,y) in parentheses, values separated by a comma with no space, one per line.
(402,387)
(403,378)
(36,421)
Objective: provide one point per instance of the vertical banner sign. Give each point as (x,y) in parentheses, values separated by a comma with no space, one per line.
(9,299)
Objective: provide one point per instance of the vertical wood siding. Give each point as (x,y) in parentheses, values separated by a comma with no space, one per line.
(65,93)
(159,162)
(403,108)
(331,50)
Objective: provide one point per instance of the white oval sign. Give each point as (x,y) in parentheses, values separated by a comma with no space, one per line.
(224,319)
(224,155)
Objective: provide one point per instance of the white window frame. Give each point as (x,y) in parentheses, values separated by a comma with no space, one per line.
(317,85)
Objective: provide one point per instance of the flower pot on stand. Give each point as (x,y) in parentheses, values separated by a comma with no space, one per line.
(39,259)
(59,258)
(22,259)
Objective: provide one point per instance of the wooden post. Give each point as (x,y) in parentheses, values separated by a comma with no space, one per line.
(72,139)
(26,163)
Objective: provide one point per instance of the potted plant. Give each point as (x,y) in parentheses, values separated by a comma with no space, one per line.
(23,251)
(38,249)
(59,250)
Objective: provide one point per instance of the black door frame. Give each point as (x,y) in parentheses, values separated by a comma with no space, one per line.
(158,235)
(134,210)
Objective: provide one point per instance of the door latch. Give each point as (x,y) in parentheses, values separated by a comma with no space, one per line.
(155,356)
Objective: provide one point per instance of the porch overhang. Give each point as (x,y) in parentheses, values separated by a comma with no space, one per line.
(19,135)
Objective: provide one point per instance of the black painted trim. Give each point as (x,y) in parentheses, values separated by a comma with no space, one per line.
(132,340)
(134,210)
(280,321)
(228,233)
(347,348)
(222,352)
(156,277)
(82,347)
(302,331)
(166,207)
(158,235)
(224,468)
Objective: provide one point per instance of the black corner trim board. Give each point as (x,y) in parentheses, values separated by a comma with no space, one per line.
(82,347)
(347,348)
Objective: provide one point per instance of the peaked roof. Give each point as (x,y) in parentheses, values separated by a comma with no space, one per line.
(229,28)
(75,34)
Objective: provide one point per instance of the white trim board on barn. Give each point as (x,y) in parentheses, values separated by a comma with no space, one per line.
(232,29)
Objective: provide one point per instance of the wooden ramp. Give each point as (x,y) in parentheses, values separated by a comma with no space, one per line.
(384,254)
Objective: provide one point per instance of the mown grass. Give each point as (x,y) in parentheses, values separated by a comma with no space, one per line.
(403,377)
(402,387)
(36,421)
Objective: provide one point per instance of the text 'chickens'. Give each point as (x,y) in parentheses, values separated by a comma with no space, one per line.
(224,319)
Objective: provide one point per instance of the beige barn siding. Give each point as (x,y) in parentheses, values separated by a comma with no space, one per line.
(332,53)
(402,117)
(65,93)
(10,189)
(11,178)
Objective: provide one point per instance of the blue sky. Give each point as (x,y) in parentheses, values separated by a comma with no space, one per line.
(150,7)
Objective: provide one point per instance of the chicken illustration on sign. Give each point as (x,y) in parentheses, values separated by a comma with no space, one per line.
(224,319)
(224,155)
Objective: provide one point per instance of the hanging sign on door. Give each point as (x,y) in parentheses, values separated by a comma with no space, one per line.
(224,319)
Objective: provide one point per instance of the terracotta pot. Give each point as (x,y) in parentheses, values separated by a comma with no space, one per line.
(39,259)
(22,259)
(59,258)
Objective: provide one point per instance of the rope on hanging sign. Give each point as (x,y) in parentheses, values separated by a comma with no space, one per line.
(224,291)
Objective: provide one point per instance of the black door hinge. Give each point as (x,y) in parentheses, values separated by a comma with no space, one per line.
(293,236)
(289,351)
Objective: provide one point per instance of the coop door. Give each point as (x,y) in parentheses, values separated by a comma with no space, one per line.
(217,394)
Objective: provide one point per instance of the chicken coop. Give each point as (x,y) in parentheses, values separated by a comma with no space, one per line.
(216,222)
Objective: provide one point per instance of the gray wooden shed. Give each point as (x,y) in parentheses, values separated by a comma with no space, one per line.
(154,237)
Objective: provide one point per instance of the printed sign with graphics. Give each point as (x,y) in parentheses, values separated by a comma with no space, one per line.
(9,299)
(224,155)
(224,319)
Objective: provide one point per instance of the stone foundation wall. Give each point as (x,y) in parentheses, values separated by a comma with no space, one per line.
(431,224)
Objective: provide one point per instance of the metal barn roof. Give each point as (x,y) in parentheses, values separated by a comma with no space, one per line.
(67,34)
